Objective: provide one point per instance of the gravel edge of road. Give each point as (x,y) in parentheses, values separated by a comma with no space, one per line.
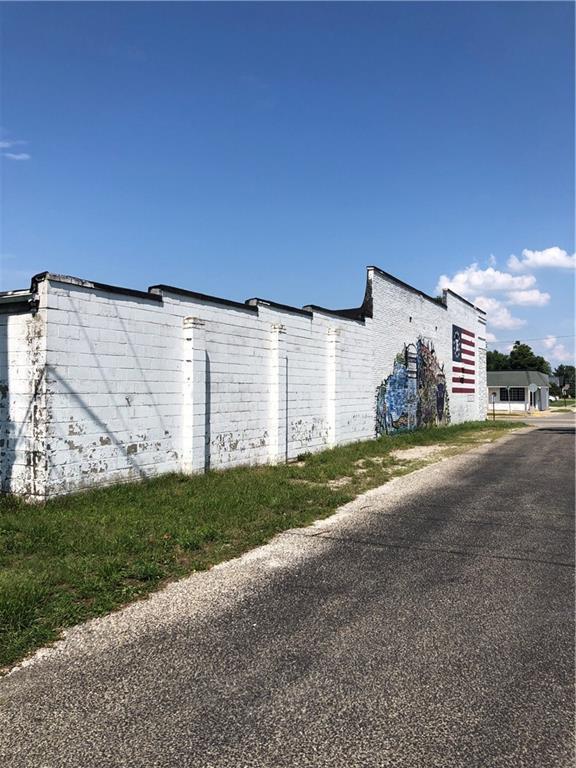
(205,593)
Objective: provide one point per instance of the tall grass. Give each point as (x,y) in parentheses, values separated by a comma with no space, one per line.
(83,555)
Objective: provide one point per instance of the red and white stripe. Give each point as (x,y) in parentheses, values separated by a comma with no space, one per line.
(464,373)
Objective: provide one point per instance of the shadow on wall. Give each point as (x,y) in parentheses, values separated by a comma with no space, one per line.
(129,451)
(106,437)
(207,414)
(286,414)
(21,412)
(21,428)
(6,458)
(415,394)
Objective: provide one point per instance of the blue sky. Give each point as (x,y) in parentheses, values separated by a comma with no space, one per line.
(276,149)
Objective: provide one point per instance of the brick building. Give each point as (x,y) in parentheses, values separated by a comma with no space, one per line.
(100,384)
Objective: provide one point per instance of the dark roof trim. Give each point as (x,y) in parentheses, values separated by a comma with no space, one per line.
(465,301)
(67,279)
(17,308)
(274,305)
(16,305)
(159,289)
(155,293)
(17,293)
(17,302)
(358,314)
(439,302)
(354,315)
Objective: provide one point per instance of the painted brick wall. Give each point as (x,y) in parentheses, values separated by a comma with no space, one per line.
(138,384)
(23,410)
(402,316)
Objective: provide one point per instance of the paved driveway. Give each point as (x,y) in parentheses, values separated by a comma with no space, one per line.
(430,623)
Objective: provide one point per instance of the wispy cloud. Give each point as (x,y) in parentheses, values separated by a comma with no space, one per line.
(12,144)
(9,143)
(554,257)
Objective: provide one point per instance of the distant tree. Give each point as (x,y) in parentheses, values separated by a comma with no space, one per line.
(522,358)
(497,361)
(566,374)
(555,390)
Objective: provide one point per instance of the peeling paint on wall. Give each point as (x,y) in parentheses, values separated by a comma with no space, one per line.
(415,394)
(108,385)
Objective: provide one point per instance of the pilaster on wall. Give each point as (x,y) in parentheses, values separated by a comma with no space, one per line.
(278,414)
(332,377)
(39,411)
(194,411)
(32,437)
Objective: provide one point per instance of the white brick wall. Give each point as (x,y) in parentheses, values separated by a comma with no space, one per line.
(402,315)
(130,385)
(23,413)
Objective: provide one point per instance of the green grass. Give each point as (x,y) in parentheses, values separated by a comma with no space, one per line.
(562,403)
(84,555)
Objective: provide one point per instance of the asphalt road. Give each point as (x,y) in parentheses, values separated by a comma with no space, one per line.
(430,623)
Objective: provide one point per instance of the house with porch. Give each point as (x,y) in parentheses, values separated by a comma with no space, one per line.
(517,391)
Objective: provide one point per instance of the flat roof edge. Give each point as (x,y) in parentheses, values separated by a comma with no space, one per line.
(439,302)
(353,315)
(160,289)
(16,301)
(91,285)
(465,301)
(256,302)
(155,293)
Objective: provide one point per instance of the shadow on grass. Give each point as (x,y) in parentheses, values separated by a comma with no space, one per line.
(86,554)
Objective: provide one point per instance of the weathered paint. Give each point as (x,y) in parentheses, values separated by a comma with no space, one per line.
(122,384)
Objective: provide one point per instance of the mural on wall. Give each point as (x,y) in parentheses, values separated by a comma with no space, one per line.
(415,394)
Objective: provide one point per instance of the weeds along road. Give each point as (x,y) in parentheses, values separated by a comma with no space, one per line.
(429,623)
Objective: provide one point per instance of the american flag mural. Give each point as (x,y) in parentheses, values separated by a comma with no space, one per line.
(463,361)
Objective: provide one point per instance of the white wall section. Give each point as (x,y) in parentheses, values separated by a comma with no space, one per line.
(100,384)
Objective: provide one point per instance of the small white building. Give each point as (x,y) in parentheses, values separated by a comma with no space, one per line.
(517,391)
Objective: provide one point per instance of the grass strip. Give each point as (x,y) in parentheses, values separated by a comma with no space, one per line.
(86,554)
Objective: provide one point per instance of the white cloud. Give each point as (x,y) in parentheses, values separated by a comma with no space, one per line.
(562,355)
(472,279)
(549,342)
(499,316)
(490,337)
(17,155)
(8,143)
(557,351)
(550,257)
(492,260)
(530,298)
